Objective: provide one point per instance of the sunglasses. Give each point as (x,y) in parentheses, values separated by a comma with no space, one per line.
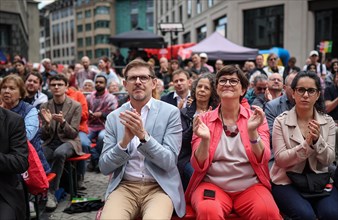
(273,59)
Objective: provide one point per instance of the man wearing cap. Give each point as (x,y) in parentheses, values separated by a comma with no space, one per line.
(204,60)
(321,68)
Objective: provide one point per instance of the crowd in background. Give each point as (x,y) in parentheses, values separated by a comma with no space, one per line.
(191,86)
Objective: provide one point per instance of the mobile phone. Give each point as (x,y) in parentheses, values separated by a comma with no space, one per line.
(209,194)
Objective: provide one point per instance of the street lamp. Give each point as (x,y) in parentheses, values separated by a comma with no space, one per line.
(171,27)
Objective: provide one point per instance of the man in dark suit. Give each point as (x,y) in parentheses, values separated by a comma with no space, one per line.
(179,97)
(60,131)
(13,162)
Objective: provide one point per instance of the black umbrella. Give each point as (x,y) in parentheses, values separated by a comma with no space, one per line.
(138,39)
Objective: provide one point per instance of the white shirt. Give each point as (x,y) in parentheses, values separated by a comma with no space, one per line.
(135,169)
(179,99)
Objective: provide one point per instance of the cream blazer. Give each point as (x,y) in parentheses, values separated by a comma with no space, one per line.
(291,150)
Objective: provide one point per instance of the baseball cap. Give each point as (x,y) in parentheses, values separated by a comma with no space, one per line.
(314,52)
(203,55)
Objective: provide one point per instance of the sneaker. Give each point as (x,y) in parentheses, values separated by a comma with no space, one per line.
(32,211)
(51,202)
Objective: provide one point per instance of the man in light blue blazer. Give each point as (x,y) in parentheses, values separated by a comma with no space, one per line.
(141,146)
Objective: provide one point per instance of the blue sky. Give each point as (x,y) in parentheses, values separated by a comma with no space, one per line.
(43,2)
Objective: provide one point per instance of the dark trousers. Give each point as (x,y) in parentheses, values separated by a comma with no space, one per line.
(56,154)
(292,204)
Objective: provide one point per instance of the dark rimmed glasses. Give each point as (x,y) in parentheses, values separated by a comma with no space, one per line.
(232,81)
(310,91)
(143,79)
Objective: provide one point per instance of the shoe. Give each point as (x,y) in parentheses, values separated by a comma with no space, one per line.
(32,211)
(51,202)
(90,167)
(80,183)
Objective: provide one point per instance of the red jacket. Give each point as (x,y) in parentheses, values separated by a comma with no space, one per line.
(214,124)
(79,97)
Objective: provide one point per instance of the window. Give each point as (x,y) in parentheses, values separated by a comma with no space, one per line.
(101,52)
(79,28)
(66,32)
(186,38)
(79,15)
(221,26)
(189,8)
(89,54)
(101,39)
(88,41)
(72,31)
(101,10)
(173,16)
(79,55)
(62,33)
(264,27)
(101,24)
(198,7)
(210,3)
(88,13)
(201,33)
(134,6)
(150,20)
(88,27)
(180,13)
(326,23)
(80,42)
(133,20)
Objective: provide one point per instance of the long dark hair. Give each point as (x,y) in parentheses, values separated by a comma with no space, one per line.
(213,101)
(319,105)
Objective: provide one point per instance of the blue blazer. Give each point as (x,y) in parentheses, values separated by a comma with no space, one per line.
(161,151)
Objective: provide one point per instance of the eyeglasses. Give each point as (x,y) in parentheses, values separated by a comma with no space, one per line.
(232,81)
(310,91)
(143,79)
(56,84)
(261,88)
(271,59)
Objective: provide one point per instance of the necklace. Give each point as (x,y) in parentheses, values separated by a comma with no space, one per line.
(227,132)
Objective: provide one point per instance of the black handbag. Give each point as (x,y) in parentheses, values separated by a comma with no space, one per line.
(310,184)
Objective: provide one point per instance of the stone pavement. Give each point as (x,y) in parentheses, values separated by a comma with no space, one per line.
(96,186)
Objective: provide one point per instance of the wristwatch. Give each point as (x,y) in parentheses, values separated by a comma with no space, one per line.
(255,141)
(145,139)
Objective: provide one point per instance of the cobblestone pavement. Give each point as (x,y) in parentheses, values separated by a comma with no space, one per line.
(96,186)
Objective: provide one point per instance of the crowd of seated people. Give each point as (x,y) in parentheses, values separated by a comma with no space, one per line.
(255,124)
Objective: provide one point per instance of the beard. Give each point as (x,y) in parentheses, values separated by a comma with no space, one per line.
(99,89)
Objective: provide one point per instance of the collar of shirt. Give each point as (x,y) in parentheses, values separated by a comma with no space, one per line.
(179,98)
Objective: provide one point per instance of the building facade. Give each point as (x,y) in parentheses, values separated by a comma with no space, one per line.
(298,26)
(57,34)
(19,29)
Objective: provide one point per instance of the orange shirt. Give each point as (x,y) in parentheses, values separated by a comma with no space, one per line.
(79,97)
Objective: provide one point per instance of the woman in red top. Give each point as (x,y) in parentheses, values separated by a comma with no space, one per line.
(230,154)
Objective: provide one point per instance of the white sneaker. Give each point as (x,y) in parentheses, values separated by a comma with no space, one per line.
(32,212)
(51,202)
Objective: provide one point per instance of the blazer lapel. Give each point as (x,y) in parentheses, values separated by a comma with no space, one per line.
(152,115)
(293,129)
(66,107)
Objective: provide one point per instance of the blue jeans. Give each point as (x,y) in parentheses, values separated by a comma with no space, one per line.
(85,143)
(96,151)
(292,204)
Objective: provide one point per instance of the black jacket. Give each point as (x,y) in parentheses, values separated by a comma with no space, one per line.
(169,98)
(13,160)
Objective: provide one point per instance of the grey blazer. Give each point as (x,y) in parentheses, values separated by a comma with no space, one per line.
(161,151)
